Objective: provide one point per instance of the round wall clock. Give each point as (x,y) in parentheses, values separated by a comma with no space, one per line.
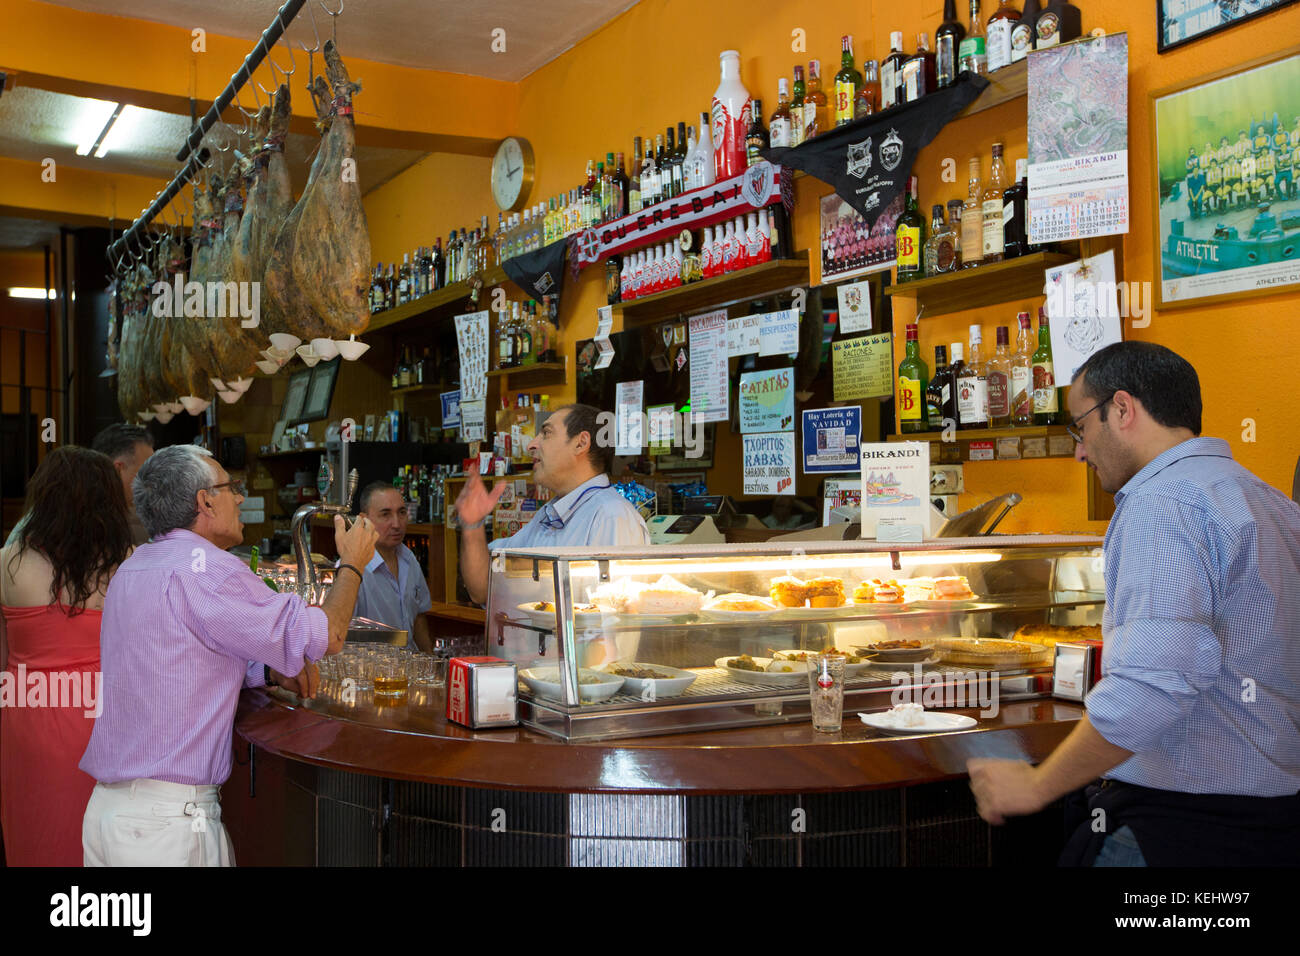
(513,169)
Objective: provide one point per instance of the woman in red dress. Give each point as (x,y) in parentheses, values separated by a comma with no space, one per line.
(52,584)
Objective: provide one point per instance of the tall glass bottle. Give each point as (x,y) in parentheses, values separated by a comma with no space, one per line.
(972,220)
(868,101)
(779,125)
(1024,34)
(706,173)
(679,161)
(919,74)
(940,395)
(991,203)
(947,41)
(909,237)
(913,380)
(891,72)
(1022,374)
(796,107)
(998,374)
(1001,22)
(972,387)
(972,54)
(817,116)
(1015,209)
(1047,402)
(634,181)
(941,247)
(756,138)
(648,173)
(731,114)
(847,83)
(672,173)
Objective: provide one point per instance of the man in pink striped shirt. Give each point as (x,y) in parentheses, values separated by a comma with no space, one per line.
(185,626)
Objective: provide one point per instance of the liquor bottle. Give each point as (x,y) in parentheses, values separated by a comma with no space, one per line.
(779,125)
(428,267)
(648,173)
(1061,22)
(527,341)
(1047,404)
(439,264)
(816,110)
(397,371)
(998,373)
(847,83)
(947,41)
(404,368)
(941,247)
(1022,375)
(663,182)
(706,173)
(955,369)
(796,108)
(672,173)
(972,387)
(390,287)
(939,391)
(486,260)
(972,56)
(376,300)
(607,189)
(919,74)
(913,380)
(731,113)
(998,45)
(909,236)
(1015,224)
(719,252)
(620,188)
(634,181)
(1024,34)
(756,138)
(991,202)
(891,72)
(679,161)
(690,162)
(972,220)
(505,347)
(868,101)
(404,280)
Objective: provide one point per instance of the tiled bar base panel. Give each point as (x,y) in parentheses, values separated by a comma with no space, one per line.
(348,819)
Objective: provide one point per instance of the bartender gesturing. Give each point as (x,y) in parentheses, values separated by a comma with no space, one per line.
(186,625)
(587,510)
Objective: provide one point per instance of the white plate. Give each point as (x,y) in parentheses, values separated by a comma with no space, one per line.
(801,612)
(588,693)
(850,670)
(660,686)
(882,607)
(717,614)
(547,618)
(764,678)
(935,723)
(935,603)
(898,655)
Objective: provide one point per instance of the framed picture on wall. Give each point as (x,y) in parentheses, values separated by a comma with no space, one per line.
(1227,154)
(1183,21)
(850,246)
(320,391)
(294,396)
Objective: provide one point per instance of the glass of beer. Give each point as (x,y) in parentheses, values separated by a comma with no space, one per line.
(391,681)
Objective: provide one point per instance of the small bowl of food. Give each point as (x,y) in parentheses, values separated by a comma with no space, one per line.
(651,681)
(593,685)
(896,652)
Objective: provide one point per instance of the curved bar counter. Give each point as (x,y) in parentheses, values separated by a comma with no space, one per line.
(317,784)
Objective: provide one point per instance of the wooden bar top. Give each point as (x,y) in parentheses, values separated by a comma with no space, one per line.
(785,758)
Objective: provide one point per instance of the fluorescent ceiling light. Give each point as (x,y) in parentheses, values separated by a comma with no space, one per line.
(20,292)
(119,133)
(93,124)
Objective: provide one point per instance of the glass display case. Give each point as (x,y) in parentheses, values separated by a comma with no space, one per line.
(628,642)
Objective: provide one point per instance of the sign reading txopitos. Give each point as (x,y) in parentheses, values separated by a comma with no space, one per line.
(759,186)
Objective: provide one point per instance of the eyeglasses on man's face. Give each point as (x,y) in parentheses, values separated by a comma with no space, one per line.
(236,487)
(1073,428)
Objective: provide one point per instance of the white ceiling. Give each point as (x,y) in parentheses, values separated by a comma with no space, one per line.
(449,35)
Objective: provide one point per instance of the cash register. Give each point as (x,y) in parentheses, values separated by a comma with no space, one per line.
(696,525)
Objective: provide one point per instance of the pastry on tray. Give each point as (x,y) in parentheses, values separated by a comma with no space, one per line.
(1049,635)
(665,596)
(955,588)
(740,602)
(788,591)
(825,592)
(877,591)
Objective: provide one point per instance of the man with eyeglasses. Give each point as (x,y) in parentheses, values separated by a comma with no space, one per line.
(186,625)
(1195,724)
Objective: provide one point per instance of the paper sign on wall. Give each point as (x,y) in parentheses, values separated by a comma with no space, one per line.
(473,416)
(778,333)
(767,400)
(1083,306)
(855,306)
(769,463)
(831,438)
(895,487)
(661,422)
(710,386)
(628,397)
(450,409)
(604,322)
(472,341)
(863,367)
(743,335)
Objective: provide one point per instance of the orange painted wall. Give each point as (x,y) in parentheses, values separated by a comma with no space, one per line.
(442,192)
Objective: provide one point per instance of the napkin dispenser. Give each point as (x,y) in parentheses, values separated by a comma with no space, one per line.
(1077,669)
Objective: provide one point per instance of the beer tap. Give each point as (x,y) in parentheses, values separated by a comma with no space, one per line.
(308,580)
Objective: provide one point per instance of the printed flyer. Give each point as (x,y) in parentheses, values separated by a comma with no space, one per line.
(831,439)
(767,401)
(769,463)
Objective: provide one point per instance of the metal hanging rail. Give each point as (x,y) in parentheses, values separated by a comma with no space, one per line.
(270,36)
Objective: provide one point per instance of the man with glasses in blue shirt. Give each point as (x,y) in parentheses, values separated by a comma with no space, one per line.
(1195,724)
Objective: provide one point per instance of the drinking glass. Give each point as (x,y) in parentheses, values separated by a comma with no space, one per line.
(826,689)
(390,679)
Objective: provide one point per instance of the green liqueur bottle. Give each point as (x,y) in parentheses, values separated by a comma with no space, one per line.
(1047,403)
(909,238)
(913,380)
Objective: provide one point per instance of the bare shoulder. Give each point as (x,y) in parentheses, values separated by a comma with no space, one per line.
(25,577)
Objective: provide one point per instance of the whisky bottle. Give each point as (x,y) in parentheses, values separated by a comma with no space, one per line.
(998,374)
(972,220)
(991,203)
(947,41)
(939,394)
(1024,34)
(868,101)
(779,124)
(847,83)
(634,181)
(913,381)
(1061,22)
(972,387)
(796,108)
(1047,405)
(941,247)
(1022,375)
(816,110)
(919,75)
(404,280)
(1001,22)
(891,72)
(972,54)
(1015,224)
(909,237)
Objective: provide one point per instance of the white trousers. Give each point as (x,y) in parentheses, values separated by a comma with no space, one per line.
(155,823)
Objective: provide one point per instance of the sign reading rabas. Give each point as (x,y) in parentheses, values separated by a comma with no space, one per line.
(868,160)
(762,184)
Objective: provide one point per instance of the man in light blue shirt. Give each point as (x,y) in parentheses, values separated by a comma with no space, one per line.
(570,463)
(1195,724)
(393,589)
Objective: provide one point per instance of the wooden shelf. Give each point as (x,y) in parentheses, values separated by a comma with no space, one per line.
(459,612)
(296,453)
(532,376)
(412,389)
(779,275)
(986,434)
(446,296)
(1005,85)
(1007,281)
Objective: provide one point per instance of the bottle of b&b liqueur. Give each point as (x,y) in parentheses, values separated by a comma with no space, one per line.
(1024,34)
(1061,22)
(847,83)
(909,236)
(913,380)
